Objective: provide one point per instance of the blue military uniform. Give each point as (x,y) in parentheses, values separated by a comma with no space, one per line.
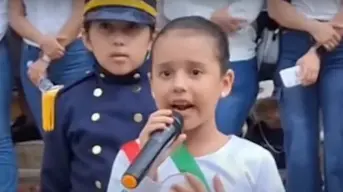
(88,123)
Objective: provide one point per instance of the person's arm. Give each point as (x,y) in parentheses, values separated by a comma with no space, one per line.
(121,163)
(55,172)
(20,24)
(286,15)
(72,27)
(246,9)
(268,178)
(339,16)
(237,15)
(338,20)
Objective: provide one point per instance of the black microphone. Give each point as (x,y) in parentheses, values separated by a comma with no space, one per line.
(158,142)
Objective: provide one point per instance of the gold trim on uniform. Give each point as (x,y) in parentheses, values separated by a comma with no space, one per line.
(49,108)
(138,4)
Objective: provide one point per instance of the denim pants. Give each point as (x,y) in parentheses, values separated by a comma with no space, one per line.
(8,165)
(233,110)
(299,108)
(74,65)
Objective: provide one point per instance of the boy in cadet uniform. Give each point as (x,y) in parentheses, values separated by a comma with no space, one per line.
(189,75)
(88,121)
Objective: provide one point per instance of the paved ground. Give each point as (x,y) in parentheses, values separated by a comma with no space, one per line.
(29,161)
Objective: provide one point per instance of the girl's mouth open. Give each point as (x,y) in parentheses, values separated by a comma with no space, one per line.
(181,108)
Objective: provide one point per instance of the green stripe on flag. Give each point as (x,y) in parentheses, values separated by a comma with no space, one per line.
(186,163)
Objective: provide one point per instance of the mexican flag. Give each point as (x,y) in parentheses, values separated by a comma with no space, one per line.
(172,170)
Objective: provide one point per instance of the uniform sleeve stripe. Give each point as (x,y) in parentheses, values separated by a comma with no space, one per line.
(131,150)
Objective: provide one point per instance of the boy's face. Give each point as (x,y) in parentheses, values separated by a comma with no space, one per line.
(119,47)
(186,77)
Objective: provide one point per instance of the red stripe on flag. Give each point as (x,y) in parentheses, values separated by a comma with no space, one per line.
(131,150)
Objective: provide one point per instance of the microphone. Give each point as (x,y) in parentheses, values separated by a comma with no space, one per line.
(158,142)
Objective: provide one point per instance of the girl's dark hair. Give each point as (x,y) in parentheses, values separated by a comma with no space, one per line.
(201,25)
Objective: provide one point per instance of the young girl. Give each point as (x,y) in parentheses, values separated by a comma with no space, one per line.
(236,19)
(189,75)
(109,107)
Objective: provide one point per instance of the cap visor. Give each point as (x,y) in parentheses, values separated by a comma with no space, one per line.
(120,14)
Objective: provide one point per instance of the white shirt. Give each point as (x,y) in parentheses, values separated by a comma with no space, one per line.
(3,18)
(318,9)
(242,43)
(48,16)
(242,165)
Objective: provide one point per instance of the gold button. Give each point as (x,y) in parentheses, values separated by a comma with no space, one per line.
(136,76)
(138,117)
(96,150)
(98,184)
(95,116)
(97,92)
(136,88)
(102,75)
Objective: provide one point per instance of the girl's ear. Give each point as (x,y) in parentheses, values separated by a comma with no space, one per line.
(227,83)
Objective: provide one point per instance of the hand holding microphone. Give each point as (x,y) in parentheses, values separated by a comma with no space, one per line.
(160,136)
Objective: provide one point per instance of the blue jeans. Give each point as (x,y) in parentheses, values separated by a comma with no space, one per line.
(299,108)
(71,67)
(8,166)
(233,110)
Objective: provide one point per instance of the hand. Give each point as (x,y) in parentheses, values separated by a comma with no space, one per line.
(309,67)
(325,34)
(37,71)
(159,121)
(194,185)
(228,24)
(51,47)
(338,27)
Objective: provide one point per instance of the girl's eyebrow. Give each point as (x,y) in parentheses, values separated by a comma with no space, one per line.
(168,64)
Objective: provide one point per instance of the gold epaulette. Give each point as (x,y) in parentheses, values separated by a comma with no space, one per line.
(49,108)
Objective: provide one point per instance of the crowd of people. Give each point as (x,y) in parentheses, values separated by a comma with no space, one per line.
(121,68)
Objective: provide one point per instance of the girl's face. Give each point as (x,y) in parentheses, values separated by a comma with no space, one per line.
(119,47)
(186,76)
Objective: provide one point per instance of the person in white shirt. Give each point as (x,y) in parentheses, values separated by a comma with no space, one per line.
(312,39)
(51,32)
(235,17)
(8,173)
(189,75)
